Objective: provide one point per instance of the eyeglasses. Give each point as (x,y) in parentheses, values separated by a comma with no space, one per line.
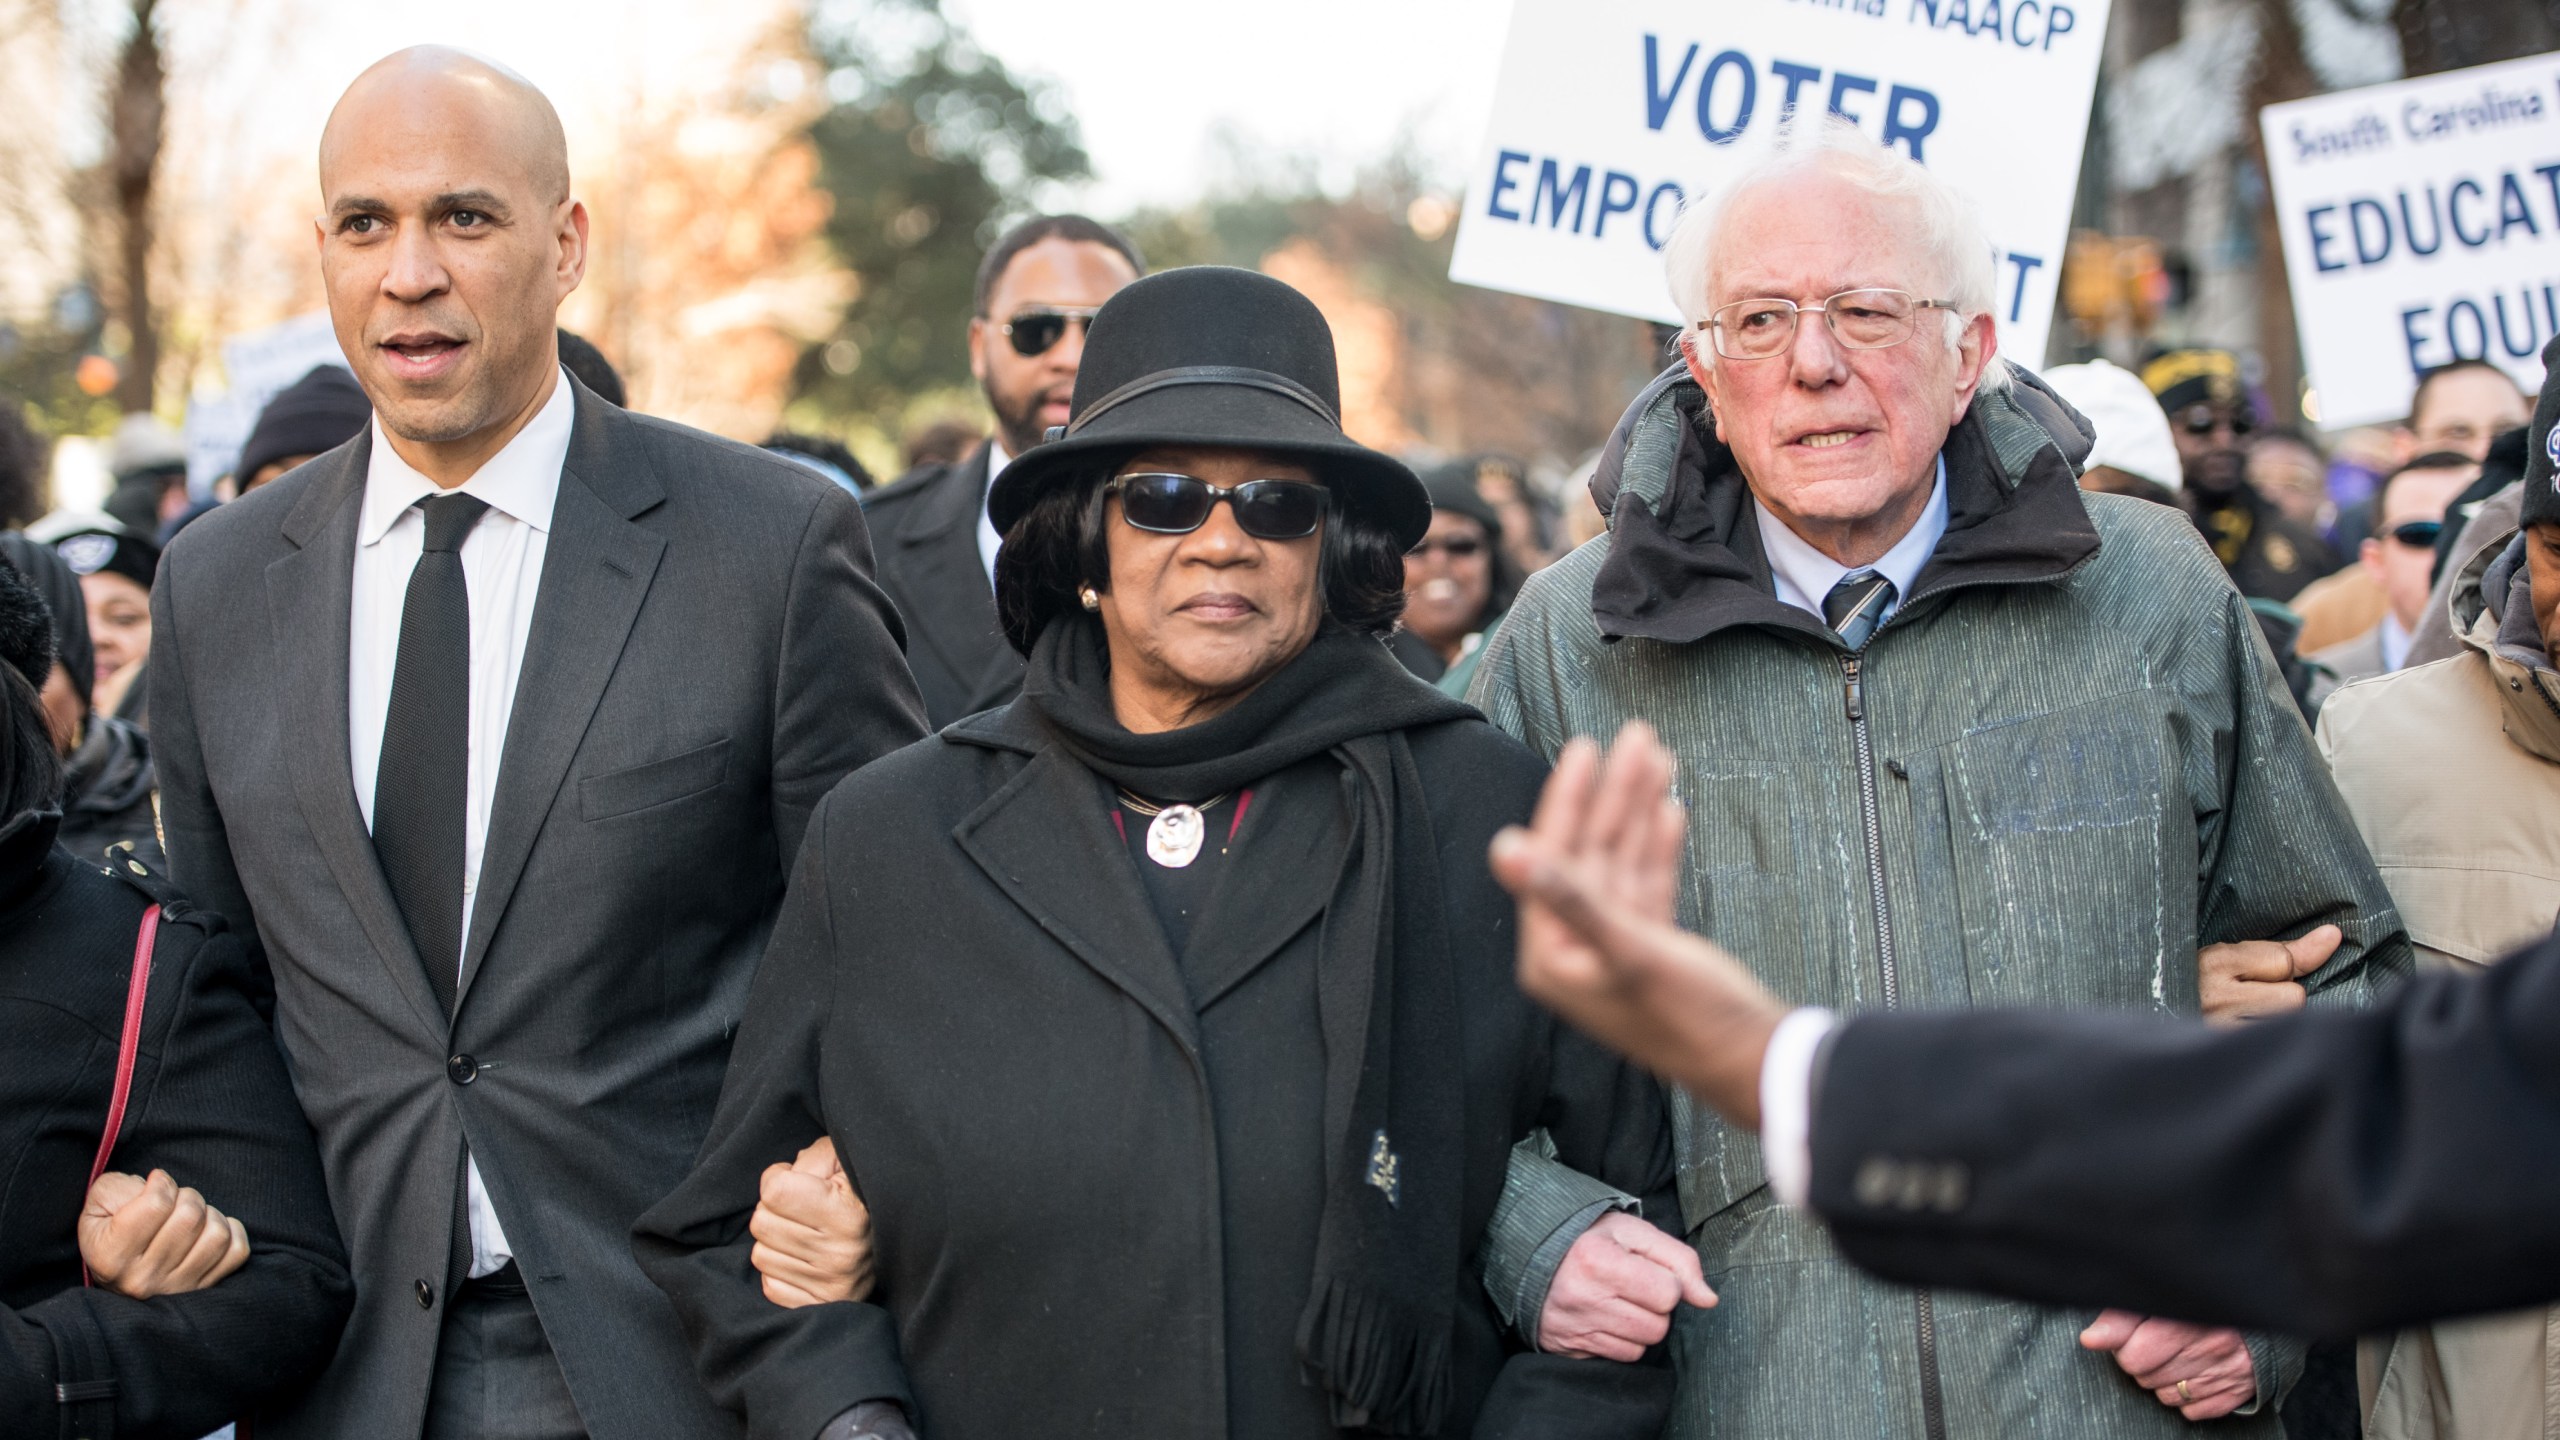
(1859,320)
(1456,547)
(1036,330)
(1180,504)
(2205,419)
(2419,534)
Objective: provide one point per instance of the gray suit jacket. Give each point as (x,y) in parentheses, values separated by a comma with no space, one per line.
(708,657)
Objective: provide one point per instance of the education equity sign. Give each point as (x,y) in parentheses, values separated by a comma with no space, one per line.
(1610,114)
(2421,224)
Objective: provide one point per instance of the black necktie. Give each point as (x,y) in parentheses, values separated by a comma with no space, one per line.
(1854,608)
(421,792)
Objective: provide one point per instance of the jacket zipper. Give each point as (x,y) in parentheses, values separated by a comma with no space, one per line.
(1933,1409)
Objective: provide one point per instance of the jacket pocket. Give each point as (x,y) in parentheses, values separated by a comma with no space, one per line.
(637,787)
(2057,829)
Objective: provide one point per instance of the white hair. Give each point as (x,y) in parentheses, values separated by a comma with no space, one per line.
(1949,238)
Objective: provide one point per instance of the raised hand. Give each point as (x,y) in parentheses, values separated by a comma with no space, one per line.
(1595,872)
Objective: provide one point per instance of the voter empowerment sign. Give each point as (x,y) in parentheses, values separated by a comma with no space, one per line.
(2421,225)
(1610,114)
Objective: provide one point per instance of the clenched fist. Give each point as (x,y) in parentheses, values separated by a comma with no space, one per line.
(154,1237)
(813,1234)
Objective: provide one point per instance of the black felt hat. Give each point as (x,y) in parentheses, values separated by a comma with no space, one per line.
(1210,355)
(2542,447)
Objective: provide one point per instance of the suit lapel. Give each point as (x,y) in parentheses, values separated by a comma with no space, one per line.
(1045,840)
(596,571)
(955,609)
(310,596)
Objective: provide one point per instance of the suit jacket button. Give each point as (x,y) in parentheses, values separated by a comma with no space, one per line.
(426,1296)
(1877,1181)
(462,1069)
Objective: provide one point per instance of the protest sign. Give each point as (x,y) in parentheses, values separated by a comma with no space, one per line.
(2421,225)
(1610,114)
(258,364)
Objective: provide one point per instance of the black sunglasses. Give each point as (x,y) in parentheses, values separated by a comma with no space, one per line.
(2204,420)
(1180,504)
(1458,547)
(1034,331)
(2419,534)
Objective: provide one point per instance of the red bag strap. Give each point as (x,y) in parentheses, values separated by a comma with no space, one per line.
(137,989)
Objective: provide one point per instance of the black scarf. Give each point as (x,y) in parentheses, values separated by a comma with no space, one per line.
(1375,1333)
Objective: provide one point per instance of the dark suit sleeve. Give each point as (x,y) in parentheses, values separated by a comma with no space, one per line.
(845,697)
(2326,1173)
(788,1372)
(213,1109)
(191,825)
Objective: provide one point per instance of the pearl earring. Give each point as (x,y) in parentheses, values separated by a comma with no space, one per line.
(1092,601)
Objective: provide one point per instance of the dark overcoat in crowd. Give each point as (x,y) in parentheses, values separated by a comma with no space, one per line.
(924,529)
(209,1103)
(708,657)
(1092,1197)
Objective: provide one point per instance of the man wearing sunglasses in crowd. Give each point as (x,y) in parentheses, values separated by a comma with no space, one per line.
(2270,557)
(936,549)
(2400,559)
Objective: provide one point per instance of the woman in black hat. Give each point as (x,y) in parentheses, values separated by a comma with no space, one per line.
(1164,1018)
(1458,581)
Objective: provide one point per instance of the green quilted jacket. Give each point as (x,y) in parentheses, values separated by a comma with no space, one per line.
(2062,766)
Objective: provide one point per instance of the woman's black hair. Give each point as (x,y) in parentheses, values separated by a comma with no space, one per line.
(1059,546)
(30,772)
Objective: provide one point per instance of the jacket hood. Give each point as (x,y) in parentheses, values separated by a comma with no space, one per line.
(1684,552)
(2492,601)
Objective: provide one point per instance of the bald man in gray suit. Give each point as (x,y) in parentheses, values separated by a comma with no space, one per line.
(498,726)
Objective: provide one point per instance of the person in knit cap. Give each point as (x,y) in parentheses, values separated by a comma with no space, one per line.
(317,413)
(2211,417)
(2452,770)
(149,463)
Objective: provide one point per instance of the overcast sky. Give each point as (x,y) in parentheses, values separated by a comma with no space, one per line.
(1152,82)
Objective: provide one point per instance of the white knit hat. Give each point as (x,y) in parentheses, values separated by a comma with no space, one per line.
(2133,431)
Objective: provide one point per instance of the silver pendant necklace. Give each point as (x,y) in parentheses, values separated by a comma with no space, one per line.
(1175,833)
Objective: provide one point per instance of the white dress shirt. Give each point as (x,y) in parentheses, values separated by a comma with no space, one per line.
(502,571)
(2396,641)
(989,541)
(1804,575)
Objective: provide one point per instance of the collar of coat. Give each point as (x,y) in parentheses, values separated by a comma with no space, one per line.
(2492,602)
(1684,557)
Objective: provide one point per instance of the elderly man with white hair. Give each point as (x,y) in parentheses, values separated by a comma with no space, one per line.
(1950,732)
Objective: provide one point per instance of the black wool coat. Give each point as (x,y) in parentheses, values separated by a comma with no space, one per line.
(210,1104)
(969,991)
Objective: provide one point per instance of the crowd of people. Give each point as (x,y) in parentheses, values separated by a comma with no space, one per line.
(522,919)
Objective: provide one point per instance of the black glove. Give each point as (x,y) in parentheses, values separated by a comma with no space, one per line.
(870,1420)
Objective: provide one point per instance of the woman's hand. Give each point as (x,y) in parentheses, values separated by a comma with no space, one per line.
(2255,978)
(153,1237)
(813,1234)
